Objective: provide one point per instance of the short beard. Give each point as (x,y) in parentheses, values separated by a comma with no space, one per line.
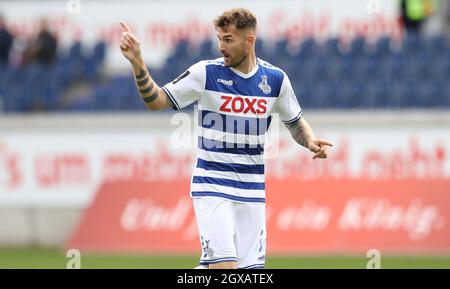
(238,63)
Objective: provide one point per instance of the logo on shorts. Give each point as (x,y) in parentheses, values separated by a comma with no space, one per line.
(261,241)
(206,250)
(264,86)
(209,251)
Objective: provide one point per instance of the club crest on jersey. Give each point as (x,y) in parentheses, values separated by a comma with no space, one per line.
(264,86)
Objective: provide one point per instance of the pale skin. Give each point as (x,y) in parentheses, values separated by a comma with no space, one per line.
(237,46)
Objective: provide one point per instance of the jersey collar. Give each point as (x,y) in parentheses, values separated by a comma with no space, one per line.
(247,75)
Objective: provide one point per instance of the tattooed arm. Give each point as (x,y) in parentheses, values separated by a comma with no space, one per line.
(303,134)
(153,96)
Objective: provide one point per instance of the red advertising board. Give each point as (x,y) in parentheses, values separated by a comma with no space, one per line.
(319,216)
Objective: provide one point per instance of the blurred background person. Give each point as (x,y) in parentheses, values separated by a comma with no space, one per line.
(46,44)
(415,12)
(446,17)
(43,48)
(6,41)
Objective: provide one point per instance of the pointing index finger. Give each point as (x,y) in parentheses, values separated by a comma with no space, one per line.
(125,26)
(325,142)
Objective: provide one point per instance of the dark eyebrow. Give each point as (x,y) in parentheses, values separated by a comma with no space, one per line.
(226,36)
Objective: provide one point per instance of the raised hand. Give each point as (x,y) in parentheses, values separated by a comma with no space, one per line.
(130,45)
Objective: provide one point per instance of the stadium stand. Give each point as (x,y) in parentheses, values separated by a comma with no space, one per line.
(324,75)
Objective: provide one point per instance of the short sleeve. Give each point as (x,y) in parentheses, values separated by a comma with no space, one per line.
(188,87)
(287,105)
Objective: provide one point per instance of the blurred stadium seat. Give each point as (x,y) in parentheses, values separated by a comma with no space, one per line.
(40,87)
(323,75)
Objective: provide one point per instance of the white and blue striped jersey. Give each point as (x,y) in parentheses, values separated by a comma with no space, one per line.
(234,114)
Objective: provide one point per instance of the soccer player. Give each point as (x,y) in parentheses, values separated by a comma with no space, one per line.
(236,94)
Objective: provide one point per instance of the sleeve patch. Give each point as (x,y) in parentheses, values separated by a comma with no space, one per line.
(183,75)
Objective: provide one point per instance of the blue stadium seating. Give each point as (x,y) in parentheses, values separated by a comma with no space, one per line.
(39,87)
(323,76)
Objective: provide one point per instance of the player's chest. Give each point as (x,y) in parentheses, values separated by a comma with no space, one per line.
(231,103)
(235,95)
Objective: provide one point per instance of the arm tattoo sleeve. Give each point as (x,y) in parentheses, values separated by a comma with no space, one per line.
(301,132)
(148,89)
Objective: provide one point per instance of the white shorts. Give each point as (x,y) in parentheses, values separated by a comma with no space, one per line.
(231,231)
